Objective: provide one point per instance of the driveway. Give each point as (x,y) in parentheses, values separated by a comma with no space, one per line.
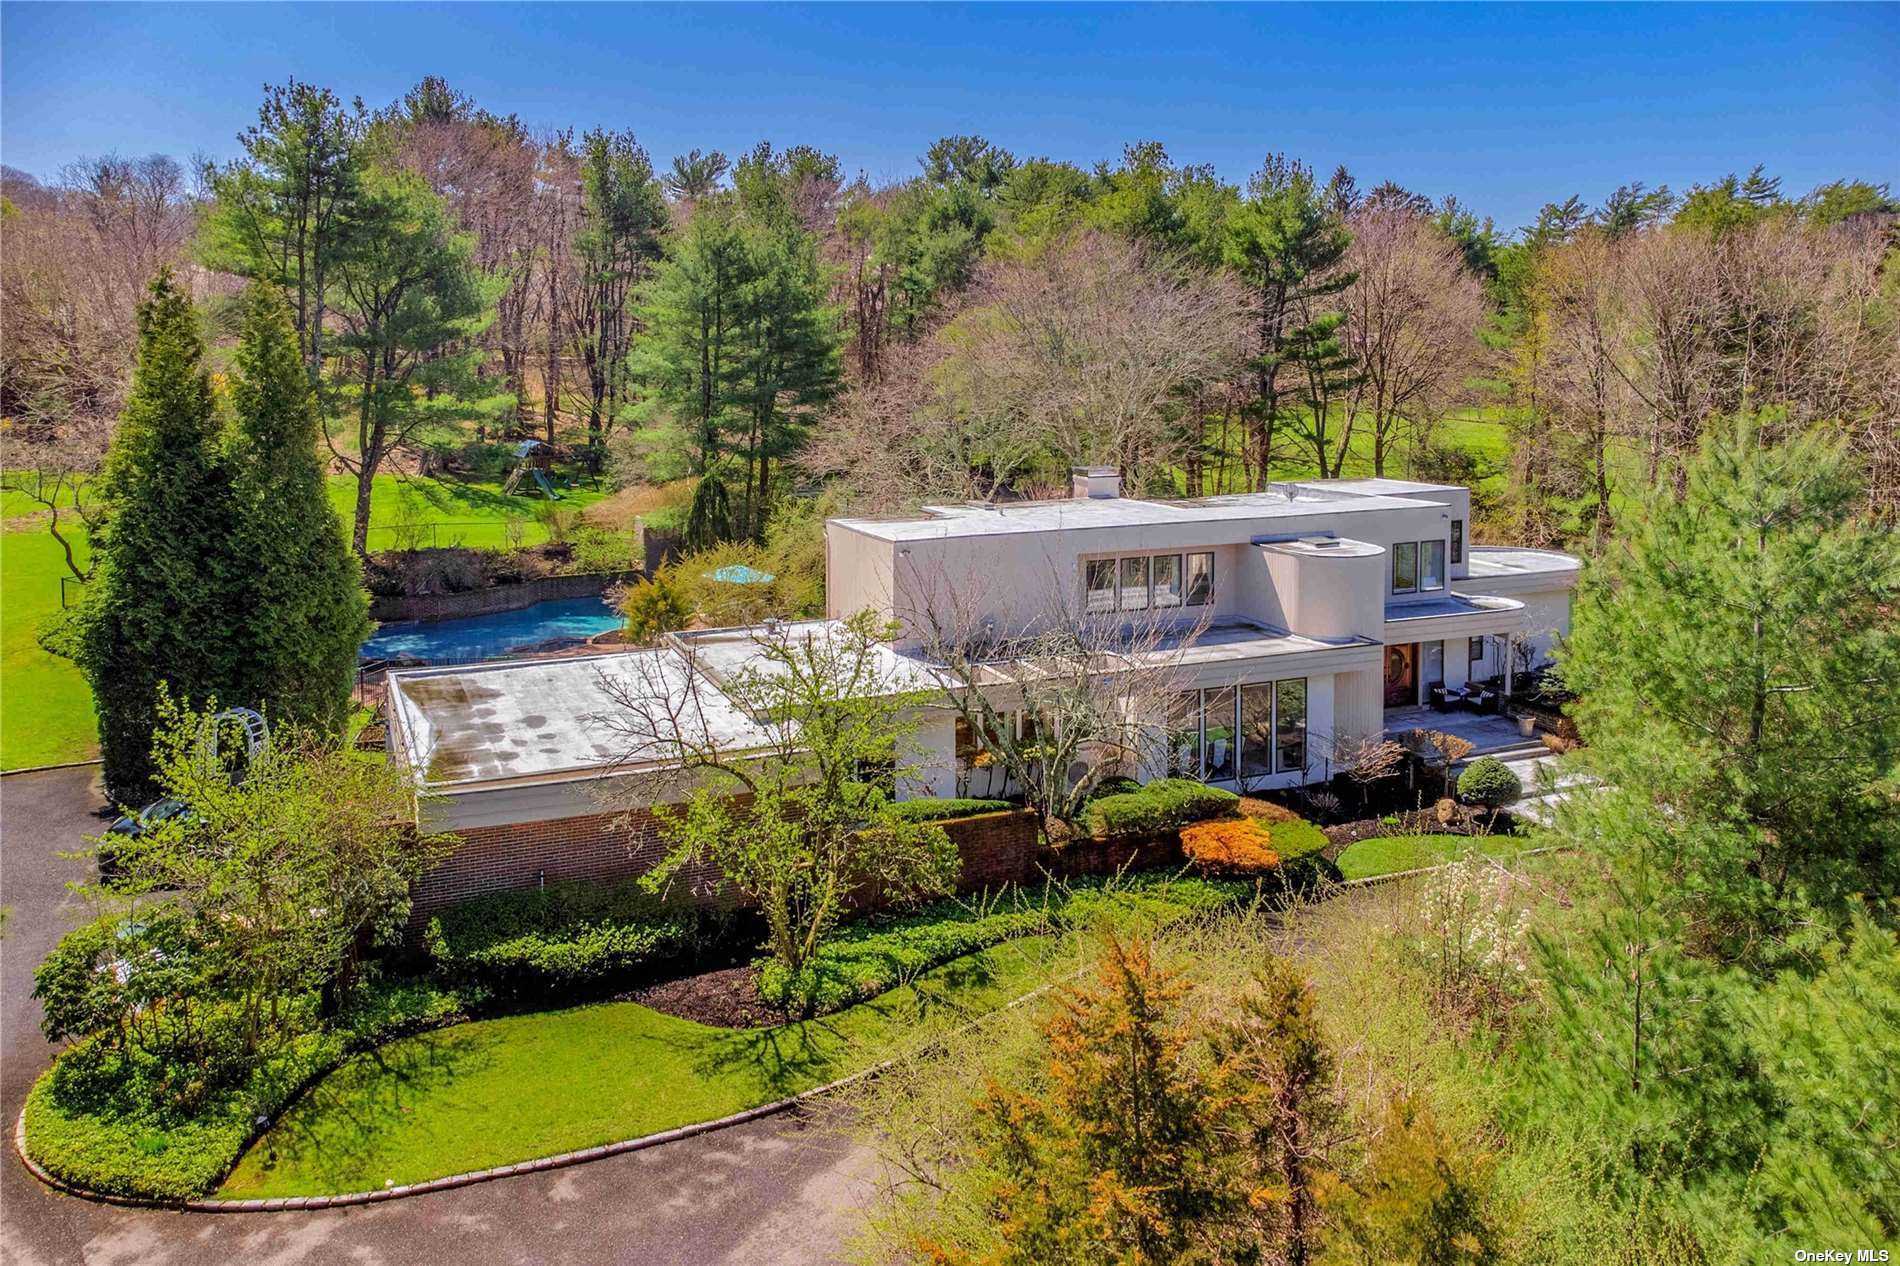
(778,1190)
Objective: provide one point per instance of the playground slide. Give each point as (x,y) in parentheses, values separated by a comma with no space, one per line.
(541,477)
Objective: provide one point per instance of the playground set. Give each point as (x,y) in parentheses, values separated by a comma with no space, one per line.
(533,460)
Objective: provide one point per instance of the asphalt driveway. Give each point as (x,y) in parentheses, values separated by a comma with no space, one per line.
(778,1190)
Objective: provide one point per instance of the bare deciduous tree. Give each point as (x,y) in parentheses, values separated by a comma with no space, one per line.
(1412,317)
(1060,699)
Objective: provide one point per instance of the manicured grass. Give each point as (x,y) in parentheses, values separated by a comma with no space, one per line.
(1392,854)
(46,714)
(500,1091)
(451,512)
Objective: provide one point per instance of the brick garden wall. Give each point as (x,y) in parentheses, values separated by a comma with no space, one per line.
(997,849)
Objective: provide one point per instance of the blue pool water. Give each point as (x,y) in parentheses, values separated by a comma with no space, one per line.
(490,636)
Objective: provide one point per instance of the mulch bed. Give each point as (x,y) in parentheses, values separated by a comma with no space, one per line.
(727,998)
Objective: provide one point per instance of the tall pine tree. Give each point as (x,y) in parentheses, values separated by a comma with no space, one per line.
(299,601)
(156,610)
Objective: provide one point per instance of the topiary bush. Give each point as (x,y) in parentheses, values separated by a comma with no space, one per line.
(1162,805)
(1489,781)
(561,936)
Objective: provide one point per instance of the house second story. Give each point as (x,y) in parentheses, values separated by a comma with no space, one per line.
(1368,560)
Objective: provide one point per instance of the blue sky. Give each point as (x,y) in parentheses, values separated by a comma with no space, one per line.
(1506,106)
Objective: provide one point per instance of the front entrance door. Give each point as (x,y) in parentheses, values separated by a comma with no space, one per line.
(1401,675)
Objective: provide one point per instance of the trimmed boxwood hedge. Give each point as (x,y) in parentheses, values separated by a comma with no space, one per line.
(1162,805)
(561,936)
(939,810)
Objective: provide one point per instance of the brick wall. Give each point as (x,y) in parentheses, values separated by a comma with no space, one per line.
(996,848)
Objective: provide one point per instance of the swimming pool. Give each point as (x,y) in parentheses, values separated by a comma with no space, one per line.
(476,637)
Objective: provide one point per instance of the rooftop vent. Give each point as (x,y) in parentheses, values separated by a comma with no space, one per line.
(1095,482)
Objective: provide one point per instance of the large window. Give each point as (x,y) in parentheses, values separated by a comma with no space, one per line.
(1200,579)
(1256,731)
(1245,733)
(1431,564)
(1184,735)
(1477,649)
(1405,567)
(1135,584)
(1457,542)
(1289,725)
(1167,580)
(1140,581)
(1219,739)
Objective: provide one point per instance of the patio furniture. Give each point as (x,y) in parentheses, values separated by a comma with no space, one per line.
(1484,701)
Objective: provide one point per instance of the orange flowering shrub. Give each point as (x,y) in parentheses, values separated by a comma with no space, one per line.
(1241,846)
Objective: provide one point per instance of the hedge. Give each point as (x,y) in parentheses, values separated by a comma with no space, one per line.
(1162,805)
(560,936)
(938,810)
(97,1118)
(880,952)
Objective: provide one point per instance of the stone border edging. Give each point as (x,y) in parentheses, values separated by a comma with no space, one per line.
(40,769)
(562,1160)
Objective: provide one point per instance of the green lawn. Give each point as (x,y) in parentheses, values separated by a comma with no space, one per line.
(1395,853)
(495,1092)
(450,512)
(46,711)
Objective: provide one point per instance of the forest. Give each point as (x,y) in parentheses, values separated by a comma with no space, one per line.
(771,324)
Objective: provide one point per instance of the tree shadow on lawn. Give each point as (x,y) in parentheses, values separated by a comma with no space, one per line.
(788,1058)
(340,1124)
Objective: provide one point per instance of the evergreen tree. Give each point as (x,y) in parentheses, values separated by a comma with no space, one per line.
(709,518)
(1739,674)
(157,609)
(1284,241)
(299,602)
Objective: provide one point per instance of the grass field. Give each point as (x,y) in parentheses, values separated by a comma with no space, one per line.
(500,1091)
(46,714)
(1394,854)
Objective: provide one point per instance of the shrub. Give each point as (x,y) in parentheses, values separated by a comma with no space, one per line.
(560,936)
(880,952)
(1163,805)
(1237,847)
(655,606)
(941,810)
(1489,781)
(1295,838)
(1114,785)
(101,1118)
(600,549)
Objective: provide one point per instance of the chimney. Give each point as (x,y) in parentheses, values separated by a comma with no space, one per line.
(1095,482)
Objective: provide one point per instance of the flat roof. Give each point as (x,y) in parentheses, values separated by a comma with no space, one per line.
(1489,561)
(1281,500)
(533,718)
(1389,487)
(1450,605)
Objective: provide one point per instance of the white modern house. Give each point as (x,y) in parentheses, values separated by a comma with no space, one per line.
(1298,614)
